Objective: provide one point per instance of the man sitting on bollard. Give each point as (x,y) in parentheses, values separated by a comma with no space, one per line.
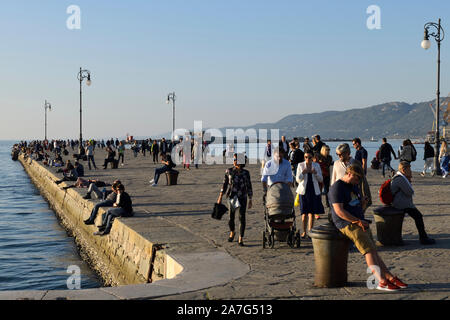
(348,217)
(403,192)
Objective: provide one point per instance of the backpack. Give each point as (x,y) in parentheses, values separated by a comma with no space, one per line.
(414,153)
(385,193)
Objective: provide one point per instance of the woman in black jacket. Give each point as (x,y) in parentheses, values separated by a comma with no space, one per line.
(428,157)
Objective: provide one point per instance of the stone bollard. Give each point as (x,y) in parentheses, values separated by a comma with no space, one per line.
(330,256)
(171,177)
(389,221)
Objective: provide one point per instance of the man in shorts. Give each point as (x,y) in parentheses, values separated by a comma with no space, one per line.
(348,217)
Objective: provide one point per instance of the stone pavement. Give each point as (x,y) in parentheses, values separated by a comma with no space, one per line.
(282,272)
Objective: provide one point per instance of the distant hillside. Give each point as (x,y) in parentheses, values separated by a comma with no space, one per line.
(393,119)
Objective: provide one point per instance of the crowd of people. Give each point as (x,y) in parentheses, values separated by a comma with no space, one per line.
(319,182)
(342,182)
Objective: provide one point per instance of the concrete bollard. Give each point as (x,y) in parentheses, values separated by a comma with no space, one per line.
(330,256)
(389,221)
(171,177)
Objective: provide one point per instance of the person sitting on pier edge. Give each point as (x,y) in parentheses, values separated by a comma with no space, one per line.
(70,173)
(168,165)
(403,192)
(93,187)
(348,216)
(123,207)
(237,186)
(80,169)
(108,202)
(109,157)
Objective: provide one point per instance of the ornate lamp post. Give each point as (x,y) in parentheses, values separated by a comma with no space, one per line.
(48,106)
(172,97)
(438,35)
(83,74)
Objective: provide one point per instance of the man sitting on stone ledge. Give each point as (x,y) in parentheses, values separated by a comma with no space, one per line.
(108,202)
(123,207)
(348,216)
(70,173)
(403,192)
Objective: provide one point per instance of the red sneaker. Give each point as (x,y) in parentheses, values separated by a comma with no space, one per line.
(387,286)
(398,283)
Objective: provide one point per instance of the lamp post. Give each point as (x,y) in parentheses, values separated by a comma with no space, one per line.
(48,106)
(83,74)
(172,97)
(438,35)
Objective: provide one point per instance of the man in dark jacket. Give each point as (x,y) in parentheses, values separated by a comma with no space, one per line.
(296,155)
(318,144)
(385,156)
(123,207)
(285,145)
(428,157)
(163,146)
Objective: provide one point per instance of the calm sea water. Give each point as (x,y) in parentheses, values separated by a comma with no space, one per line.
(35,251)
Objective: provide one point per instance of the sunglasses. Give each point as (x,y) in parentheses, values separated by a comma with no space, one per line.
(308,157)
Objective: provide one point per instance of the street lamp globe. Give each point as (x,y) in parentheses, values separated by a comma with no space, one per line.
(426,44)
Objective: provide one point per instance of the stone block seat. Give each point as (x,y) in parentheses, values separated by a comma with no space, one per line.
(172,177)
(389,222)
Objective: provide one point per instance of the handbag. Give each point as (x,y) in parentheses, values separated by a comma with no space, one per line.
(218,211)
(297,200)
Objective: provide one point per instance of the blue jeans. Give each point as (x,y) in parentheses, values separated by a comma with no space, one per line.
(106,203)
(384,164)
(91,158)
(159,171)
(444,164)
(110,215)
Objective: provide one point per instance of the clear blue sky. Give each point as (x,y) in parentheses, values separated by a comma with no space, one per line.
(230,62)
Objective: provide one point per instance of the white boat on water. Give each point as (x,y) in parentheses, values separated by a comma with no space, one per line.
(373,139)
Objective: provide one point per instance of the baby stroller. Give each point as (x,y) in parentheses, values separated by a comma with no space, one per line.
(279,217)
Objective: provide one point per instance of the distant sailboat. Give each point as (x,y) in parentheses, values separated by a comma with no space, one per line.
(373,139)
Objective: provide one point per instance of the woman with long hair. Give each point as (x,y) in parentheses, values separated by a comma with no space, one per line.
(309,175)
(444,158)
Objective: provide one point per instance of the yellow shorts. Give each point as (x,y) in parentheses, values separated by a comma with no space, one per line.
(363,240)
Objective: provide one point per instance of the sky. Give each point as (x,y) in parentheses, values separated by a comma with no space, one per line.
(229,62)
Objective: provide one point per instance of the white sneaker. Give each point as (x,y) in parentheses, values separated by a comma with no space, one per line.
(151,181)
(154,185)
(422,174)
(445,175)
